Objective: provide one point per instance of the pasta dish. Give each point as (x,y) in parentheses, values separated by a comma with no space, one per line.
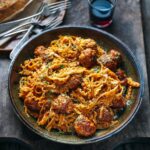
(74,86)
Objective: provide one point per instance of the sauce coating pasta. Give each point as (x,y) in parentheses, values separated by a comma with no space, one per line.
(74,86)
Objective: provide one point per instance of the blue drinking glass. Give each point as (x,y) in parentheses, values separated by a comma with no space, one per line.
(101,12)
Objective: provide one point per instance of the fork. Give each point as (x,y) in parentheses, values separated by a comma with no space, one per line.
(56,21)
(43,11)
(42,26)
(33,21)
(26,36)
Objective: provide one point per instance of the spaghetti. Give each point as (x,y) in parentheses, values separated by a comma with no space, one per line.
(74,86)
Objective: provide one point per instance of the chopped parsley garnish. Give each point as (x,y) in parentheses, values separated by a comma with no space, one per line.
(62,66)
(96,69)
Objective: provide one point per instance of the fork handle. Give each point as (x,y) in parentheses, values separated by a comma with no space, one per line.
(16,22)
(16,50)
(2,35)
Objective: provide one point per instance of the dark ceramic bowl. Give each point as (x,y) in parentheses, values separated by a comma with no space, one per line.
(107,41)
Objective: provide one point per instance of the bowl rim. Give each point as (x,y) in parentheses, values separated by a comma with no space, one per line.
(92,139)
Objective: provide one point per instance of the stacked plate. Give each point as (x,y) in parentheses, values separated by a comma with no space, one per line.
(9,9)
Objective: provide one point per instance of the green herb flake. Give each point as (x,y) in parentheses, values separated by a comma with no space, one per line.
(49,93)
(124,90)
(96,69)
(62,66)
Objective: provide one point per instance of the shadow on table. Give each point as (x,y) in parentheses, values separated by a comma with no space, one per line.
(16,144)
(134,144)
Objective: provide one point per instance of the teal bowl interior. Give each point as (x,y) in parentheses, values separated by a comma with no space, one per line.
(106,41)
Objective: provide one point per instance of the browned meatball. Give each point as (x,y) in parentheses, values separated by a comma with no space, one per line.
(115,55)
(32,104)
(89,43)
(74,81)
(39,51)
(105,117)
(87,57)
(118,103)
(62,104)
(33,107)
(122,76)
(111,60)
(107,61)
(84,127)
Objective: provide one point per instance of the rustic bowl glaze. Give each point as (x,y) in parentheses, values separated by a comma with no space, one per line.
(107,41)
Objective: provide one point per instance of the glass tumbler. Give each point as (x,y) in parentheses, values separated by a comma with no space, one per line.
(101,12)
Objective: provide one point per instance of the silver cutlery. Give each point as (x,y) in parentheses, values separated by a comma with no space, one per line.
(53,22)
(8,25)
(6,39)
(26,36)
(33,21)
(25,30)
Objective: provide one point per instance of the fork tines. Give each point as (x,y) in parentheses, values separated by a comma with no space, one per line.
(56,5)
(59,2)
(60,7)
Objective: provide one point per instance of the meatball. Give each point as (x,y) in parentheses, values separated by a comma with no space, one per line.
(84,127)
(39,51)
(62,104)
(74,82)
(33,107)
(115,55)
(105,117)
(89,43)
(111,60)
(107,61)
(118,102)
(122,76)
(32,104)
(87,57)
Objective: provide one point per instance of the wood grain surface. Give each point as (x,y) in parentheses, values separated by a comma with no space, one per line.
(127,26)
(146,25)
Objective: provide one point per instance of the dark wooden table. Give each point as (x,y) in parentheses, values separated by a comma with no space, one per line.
(128,26)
